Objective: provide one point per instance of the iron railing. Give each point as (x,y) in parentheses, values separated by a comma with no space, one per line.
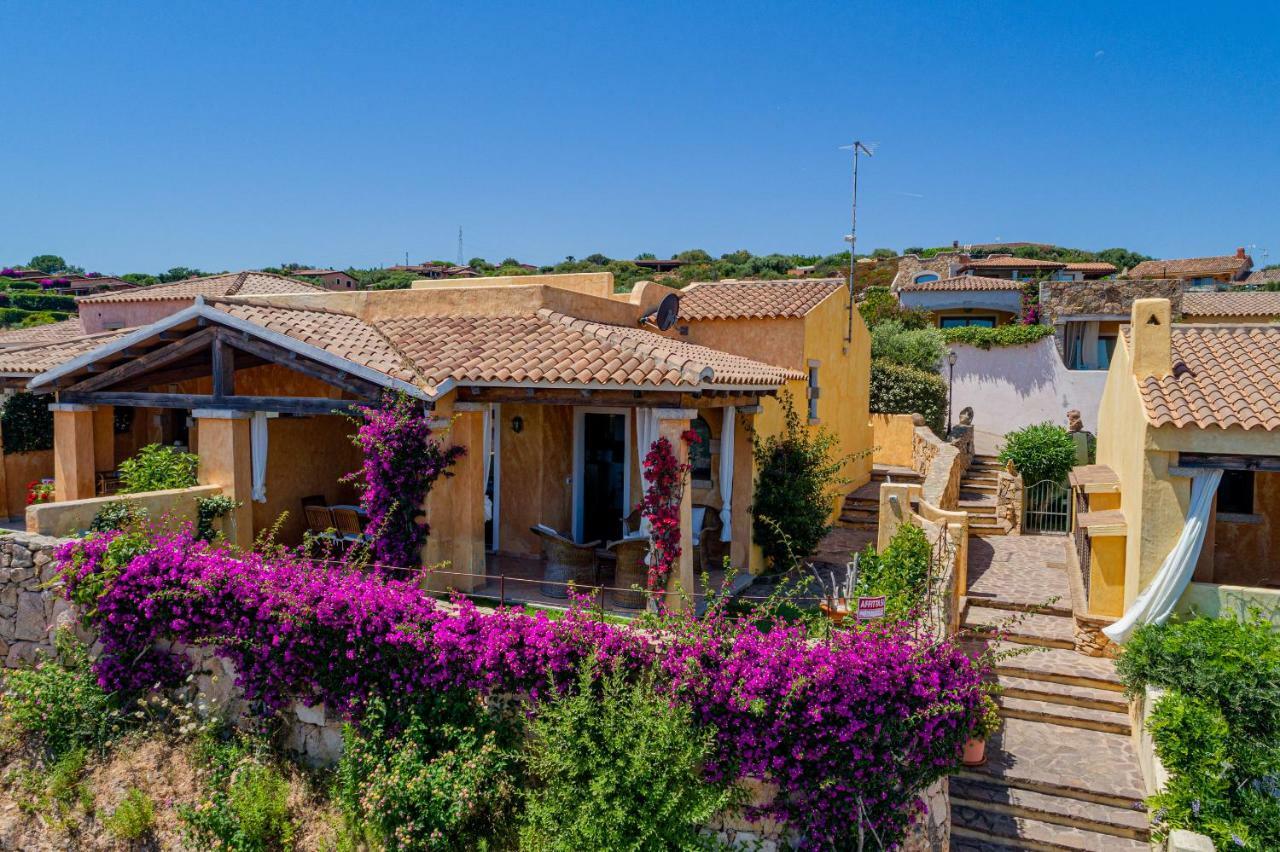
(1046,508)
(1083,554)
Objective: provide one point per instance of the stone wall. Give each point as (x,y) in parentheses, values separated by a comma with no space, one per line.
(942,464)
(942,265)
(32,609)
(1009,488)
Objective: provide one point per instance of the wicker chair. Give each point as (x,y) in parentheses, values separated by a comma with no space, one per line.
(709,551)
(567,562)
(631,571)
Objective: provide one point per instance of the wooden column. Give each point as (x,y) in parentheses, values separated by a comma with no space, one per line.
(672,424)
(73,447)
(225,461)
(744,553)
(466,498)
(436,511)
(104,437)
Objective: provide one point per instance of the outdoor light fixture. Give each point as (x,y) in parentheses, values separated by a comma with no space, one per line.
(517,424)
(951,379)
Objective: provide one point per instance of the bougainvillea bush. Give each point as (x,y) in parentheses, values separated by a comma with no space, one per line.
(401,465)
(858,724)
(665,477)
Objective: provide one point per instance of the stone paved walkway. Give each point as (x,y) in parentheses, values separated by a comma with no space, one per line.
(1018,570)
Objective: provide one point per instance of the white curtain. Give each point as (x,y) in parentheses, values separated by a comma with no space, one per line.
(488,460)
(1156,602)
(258,454)
(646,434)
(726,473)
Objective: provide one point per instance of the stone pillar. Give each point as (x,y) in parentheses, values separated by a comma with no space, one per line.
(744,553)
(895,510)
(225,461)
(465,491)
(672,424)
(104,437)
(73,448)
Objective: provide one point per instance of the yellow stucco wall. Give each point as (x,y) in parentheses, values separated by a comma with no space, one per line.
(1106,575)
(1244,549)
(1217,600)
(893,436)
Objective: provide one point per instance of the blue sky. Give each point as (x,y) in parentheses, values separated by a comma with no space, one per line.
(146,135)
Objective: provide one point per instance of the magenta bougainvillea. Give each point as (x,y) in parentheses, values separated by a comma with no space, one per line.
(847,728)
(665,479)
(401,465)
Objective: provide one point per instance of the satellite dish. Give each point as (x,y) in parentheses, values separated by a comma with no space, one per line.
(665,315)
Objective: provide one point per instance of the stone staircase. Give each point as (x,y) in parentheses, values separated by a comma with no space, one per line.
(1062,773)
(861,510)
(978,488)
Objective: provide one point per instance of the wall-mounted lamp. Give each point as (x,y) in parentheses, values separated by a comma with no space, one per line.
(517,424)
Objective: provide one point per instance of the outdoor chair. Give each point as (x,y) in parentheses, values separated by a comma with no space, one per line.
(631,571)
(566,561)
(320,522)
(347,520)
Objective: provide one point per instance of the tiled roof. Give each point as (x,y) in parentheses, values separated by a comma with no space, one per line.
(336,333)
(1092,266)
(1241,303)
(1229,263)
(964,282)
(1004,261)
(1222,376)
(211,287)
(31,360)
(754,299)
(53,332)
(1264,276)
(551,348)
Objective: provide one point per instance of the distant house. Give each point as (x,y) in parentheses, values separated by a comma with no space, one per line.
(82,285)
(438,270)
(330,279)
(129,308)
(1203,272)
(1262,277)
(38,335)
(1239,307)
(660,265)
(917,270)
(963,300)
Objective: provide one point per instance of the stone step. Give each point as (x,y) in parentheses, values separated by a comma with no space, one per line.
(1048,631)
(1057,665)
(1064,694)
(968,484)
(1056,608)
(1107,721)
(996,830)
(977,506)
(1068,762)
(1090,816)
(988,529)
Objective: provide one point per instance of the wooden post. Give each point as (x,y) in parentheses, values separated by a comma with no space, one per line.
(743,551)
(672,424)
(73,448)
(104,437)
(225,462)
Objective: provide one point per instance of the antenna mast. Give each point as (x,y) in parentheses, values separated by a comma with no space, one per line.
(459,245)
(857,147)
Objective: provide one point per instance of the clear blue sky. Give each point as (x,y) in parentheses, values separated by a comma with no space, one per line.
(143,135)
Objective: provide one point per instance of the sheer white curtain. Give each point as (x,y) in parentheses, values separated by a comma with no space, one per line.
(258,454)
(726,473)
(488,460)
(646,434)
(1156,602)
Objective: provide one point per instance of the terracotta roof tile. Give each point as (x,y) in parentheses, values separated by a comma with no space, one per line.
(1005,261)
(964,282)
(210,287)
(32,360)
(1241,303)
(1091,266)
(754,299)
(54,332)
(1229,263)
(1225,376)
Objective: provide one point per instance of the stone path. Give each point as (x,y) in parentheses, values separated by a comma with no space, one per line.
(1062,773)
(978,488)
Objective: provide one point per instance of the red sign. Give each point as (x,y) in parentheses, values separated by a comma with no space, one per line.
(869,608)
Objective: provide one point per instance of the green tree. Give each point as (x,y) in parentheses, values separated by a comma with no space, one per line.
(1039,452)
(884,254)
(646,255)
(921,348)
(47,263)
(597,259)
(694,256)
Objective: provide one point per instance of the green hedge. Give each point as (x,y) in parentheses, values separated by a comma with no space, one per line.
(11,317)
(43,302)
(905,390)
(27,424)
(1040,451)
(1005,335)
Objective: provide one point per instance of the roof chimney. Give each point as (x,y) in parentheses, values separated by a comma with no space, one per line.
(1240,253)
(1149,331)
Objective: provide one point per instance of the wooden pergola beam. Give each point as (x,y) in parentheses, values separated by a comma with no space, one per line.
(145,363)
(191,401)
(1235,461)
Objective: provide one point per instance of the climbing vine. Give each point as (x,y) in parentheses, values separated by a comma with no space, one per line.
(665,477)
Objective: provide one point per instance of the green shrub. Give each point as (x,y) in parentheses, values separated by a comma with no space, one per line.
(1039,452)
(26,423)
(880,304)
(1005,335)
(210,509)
(156,468)
(247,804)
(59,705)
(796,487)
(901,573)
(436,776)
(905,390)
(133,819)
(921,348)
(120,552)
(117,515)
(618,766)
(43,302)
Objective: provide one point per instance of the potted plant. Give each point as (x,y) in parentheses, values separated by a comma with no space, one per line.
(975,749)
(40,491)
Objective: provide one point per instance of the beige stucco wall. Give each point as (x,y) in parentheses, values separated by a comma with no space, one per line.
(101,316)
(589,283)
(1216,600)
(174,506)
(892,435)
(306,456)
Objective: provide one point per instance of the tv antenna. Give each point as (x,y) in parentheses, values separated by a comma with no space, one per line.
(856,147)
(459,245)
(665,314)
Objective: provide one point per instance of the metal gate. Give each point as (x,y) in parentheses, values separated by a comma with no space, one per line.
(1046,508)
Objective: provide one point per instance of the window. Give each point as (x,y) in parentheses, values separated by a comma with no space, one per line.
(813,392)
(961,322)
(1235,493)
(700,453)
(925,277)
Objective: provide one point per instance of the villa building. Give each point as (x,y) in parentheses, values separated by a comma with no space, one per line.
(330,279)
(1198,272)
(962,300)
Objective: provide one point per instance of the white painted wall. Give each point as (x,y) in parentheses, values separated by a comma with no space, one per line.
(1014,386)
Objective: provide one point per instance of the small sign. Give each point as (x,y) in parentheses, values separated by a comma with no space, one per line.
(869,608)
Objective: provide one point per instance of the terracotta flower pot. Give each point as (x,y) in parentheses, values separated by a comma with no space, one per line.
(975,752)
(836,615)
